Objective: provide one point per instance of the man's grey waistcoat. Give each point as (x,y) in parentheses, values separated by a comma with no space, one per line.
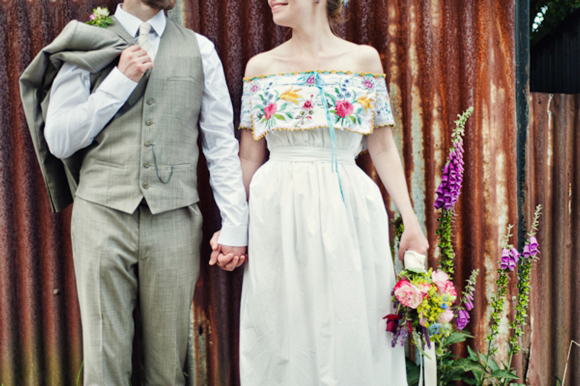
(160,118)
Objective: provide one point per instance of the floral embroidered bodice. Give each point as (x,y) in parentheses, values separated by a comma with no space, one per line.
(344,101)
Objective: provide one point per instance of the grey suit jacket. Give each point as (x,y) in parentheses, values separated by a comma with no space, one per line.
(89,47)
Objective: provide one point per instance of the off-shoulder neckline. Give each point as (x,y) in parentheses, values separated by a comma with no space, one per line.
(322,72)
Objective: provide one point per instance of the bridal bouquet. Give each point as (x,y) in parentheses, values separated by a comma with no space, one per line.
(424,307)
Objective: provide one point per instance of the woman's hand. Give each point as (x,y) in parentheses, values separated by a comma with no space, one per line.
(413,239)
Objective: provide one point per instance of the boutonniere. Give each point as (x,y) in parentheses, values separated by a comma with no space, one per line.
(100,17)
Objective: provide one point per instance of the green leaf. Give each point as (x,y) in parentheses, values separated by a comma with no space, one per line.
(472,354)
(412,372)
(416,270)
(352,119)
(280,117)
(108,21)
(262,97)
(290,115)
(468,365)
(456,337)
(505,374)
(492,365)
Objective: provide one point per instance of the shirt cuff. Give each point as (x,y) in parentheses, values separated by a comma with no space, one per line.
(233,236)
(118,85)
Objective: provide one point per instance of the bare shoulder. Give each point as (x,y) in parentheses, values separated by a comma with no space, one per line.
(264,63)
(369,59)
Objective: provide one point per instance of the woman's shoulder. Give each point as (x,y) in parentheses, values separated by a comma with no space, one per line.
(263,63)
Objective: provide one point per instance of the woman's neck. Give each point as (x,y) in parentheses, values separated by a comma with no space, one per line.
(312,41)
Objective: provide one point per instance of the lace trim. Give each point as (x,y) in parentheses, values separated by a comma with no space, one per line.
(362,74)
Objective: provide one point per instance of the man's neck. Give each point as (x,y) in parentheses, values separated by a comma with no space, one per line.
(139,10)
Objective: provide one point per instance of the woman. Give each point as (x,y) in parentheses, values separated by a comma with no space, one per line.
(319,274)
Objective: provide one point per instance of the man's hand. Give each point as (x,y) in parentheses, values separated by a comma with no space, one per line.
(134,62)
(227,257)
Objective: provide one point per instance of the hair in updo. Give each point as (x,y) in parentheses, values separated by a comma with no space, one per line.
(334,9)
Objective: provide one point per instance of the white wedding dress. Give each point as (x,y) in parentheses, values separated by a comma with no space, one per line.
(319,277)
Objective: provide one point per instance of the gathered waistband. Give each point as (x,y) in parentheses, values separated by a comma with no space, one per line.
(310,154)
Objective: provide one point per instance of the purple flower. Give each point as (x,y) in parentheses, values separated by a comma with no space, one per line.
(452,179)
(469,305)
(509,258)
(462,319)
(531,248)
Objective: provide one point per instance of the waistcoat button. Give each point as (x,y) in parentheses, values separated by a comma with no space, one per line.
(148,143)
(150,101)
(146,185)
(146,165)
(149,122)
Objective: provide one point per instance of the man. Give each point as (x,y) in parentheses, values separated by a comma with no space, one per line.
(125,128)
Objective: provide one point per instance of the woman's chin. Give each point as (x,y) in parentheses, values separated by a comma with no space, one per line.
(282,20)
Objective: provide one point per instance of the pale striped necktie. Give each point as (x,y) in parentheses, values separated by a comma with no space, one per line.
(143,39)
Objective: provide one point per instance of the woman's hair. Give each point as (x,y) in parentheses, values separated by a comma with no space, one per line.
(334,10)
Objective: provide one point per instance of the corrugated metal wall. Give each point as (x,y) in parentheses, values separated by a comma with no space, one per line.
(440,56)
(555,60)
(553,159)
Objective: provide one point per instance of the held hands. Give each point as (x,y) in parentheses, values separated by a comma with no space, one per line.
(134,62)
(413,239)
(228,258)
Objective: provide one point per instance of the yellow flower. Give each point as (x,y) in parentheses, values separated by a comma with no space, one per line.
(365,102)
(290,96)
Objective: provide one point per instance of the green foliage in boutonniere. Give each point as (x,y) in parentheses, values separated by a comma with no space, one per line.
(100,17)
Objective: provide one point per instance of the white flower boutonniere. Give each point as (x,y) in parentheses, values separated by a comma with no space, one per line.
(100,17)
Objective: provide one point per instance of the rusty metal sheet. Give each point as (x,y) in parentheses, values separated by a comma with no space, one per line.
(553,171)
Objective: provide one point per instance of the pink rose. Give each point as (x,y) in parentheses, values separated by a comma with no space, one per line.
(93,16)
(368,84)
(424,288)
(344,108)
(310,80)
(408,294)
(307,105)
(446,316)
(450,290)
(439,278)
(270,110)
(255,88)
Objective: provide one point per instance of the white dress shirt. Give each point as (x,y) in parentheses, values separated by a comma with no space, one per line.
(75,117)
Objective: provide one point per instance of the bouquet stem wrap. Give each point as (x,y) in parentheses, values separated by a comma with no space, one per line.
(428,365)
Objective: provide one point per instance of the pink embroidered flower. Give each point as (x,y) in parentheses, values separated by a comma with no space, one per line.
(368,84)
(270,110)
(446,316)
(408,294)
(310,80)
(439,277)
(255,88)
(344,108)
(307,105)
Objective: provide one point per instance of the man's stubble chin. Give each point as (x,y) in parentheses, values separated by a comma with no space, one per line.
(164,5)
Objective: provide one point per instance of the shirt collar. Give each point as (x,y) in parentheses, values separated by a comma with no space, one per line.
(132,23)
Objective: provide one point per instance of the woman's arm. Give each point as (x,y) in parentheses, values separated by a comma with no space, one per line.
(386,159)
(252,155)
(385,156)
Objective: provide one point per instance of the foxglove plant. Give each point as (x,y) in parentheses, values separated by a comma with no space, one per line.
(528,256)
(449,190)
